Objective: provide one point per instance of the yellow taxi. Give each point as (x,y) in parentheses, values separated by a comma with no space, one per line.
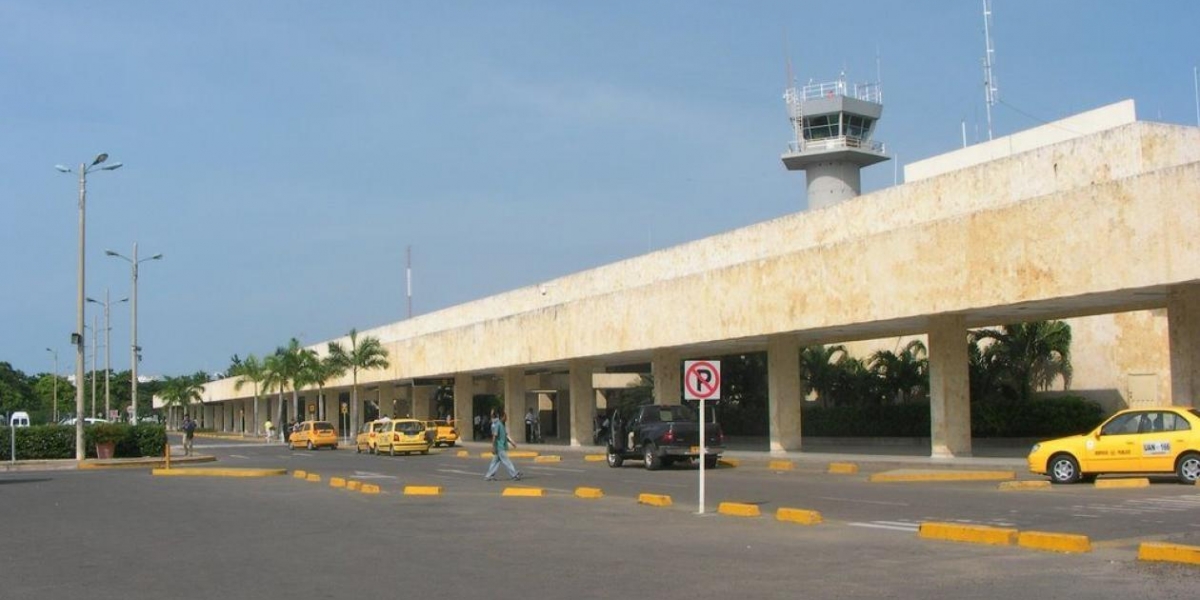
(1143,440)
(365,440)
(313,435)
(402,435)
(443,432)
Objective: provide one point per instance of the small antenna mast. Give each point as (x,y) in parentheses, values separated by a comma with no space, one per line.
(989,80)
(1196,82)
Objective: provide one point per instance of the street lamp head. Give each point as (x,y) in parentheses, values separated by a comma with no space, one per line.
(122,300)
(156,257)
(112,167)
(94,300)
(62,168)
(100,158)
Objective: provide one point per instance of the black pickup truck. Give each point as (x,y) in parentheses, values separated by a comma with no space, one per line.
(662,434)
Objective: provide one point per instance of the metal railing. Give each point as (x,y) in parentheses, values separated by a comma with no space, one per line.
(836,143)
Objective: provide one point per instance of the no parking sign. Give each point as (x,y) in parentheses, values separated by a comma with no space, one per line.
(702,380)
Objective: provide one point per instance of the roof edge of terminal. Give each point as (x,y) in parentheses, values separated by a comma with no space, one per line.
(1072,127)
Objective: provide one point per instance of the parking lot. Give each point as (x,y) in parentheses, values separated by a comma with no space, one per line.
(128,534)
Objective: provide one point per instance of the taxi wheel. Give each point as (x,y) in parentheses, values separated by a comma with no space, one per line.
(1188,469)
(1064,469)
(357,449)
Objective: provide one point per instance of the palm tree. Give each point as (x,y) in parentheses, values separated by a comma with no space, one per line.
(905,376)
(180,391)
(370,354)
(282,369)
(315,370)
(819,368)
(1027,356)
(250,370)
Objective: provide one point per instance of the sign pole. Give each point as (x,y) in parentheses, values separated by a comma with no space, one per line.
(702,381)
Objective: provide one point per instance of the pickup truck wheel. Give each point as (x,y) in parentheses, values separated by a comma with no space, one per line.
(710,462)
(615,460)
(650,457)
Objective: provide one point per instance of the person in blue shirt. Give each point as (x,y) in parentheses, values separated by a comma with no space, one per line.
(500,445)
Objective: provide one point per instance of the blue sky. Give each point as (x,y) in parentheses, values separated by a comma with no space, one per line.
(282,155)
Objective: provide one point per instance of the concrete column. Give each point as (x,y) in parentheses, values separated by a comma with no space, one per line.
(464,415)
(949,388)
(422,397)
(514,403)
(784,393)
(1183,334)
(387,401)
(664,366)
(582,401)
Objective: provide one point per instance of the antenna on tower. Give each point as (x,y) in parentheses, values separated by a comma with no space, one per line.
(408,277)
(989,79)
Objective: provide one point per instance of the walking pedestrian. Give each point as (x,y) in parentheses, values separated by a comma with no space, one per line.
(267,427)
(530,420)
(500,445)
(189,432)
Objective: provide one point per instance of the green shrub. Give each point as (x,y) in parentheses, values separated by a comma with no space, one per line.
(47,442)
(1043,417)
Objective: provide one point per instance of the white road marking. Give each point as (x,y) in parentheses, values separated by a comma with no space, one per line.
(458,472)
(372,475)
(558,469)
(883,502)
(890,525)
(237,456)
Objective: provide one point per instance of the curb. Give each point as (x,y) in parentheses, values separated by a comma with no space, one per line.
(353,485)
(1012,486)
(298,474)
(368,488)
(905,475)
(422,490)
(1113,484)
(975,534)
(798,515)
(588,492)
(738,509)
(547,459)
(337,482)
(594,457)
(94,464)
(1054,542)
(1163,552)
(211,472)
(781,465)
(313,477)
(841,468)
(522,492)
(729,462)
(654,499)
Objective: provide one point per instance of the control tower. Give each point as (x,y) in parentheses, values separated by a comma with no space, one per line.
(832,125)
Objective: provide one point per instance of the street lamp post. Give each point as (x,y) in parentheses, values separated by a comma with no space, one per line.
(107,348)
(95,334)
(135,351)
(54,409)
(77,336)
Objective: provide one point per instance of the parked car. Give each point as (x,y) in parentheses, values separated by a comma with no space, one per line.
(402,435)
(443,432)
(86,421)
(1144,440)
(366,438)
(663,434)
(313,435)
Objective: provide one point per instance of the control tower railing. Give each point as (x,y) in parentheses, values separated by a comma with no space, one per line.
(836,143)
